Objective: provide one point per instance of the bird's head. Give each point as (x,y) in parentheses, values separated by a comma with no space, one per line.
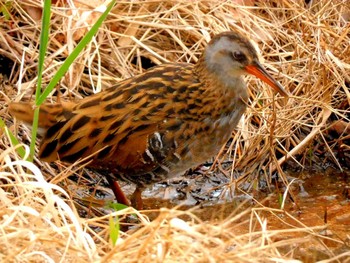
(230,55)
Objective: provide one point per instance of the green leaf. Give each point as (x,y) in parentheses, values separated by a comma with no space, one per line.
(4,10)
(280,199)
(116,206)
(114,229)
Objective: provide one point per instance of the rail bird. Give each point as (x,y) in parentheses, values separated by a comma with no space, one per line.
(155,125)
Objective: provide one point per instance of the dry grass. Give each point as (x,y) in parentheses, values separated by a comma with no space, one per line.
(306,46)
(39,223)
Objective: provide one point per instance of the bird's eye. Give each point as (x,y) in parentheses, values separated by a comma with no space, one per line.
(238,56)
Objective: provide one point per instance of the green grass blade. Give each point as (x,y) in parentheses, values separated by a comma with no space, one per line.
(116,206)
(12,138)
(4,10)
(34,134)
(114,229)
(70,59)
(44,39)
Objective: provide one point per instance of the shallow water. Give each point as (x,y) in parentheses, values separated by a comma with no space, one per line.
(318,199)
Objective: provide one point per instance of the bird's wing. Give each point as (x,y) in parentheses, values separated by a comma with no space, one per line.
(124,127)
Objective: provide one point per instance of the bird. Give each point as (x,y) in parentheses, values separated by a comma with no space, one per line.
(158,124)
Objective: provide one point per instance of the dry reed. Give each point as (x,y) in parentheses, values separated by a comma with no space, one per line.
(305,46)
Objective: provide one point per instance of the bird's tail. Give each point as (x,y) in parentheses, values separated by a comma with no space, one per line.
(49,114)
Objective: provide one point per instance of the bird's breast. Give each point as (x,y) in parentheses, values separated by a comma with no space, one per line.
(199,139)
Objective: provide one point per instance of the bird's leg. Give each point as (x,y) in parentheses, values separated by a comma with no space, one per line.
(136,198)
(118,192)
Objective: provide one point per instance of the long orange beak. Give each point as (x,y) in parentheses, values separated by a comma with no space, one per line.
(259,71)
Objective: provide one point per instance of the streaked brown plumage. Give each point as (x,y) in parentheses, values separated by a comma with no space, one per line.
(158,124)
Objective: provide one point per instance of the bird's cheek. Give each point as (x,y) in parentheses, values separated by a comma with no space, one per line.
(235,72)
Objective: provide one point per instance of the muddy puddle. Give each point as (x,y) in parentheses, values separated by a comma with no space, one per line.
(317,199)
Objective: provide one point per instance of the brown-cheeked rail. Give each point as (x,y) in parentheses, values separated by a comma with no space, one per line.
(155,125)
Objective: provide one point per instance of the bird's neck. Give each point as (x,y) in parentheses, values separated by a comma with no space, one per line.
(222,85)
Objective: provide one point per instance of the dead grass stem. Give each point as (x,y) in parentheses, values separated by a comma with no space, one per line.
(305,46)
